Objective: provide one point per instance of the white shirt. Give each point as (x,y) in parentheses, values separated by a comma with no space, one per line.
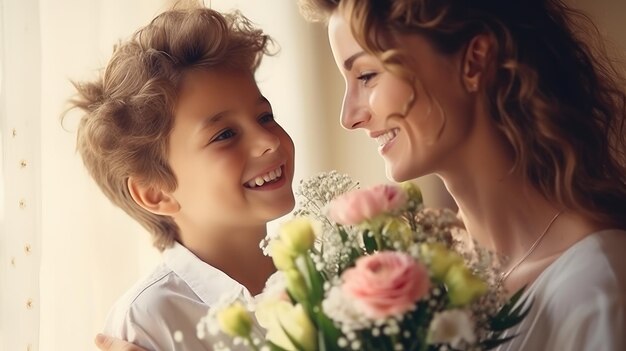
(579,300)
(173,298)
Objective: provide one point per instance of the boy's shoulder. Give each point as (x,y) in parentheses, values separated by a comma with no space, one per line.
(178,292)
(153,308)
(143,298)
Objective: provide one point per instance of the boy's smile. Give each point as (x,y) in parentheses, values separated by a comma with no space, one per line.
(267,180)
(232,161)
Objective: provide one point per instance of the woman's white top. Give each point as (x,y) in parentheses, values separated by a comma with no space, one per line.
(579,301)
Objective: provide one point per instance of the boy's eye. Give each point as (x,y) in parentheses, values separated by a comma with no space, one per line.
(366,77)
(266,118)
(227,134)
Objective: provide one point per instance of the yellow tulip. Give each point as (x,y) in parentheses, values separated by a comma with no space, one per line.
(413,192)
(235,320)
(298,235)
(440,259)
(463,286)
(296,284)
(279,317)
(282,255)
(397,230)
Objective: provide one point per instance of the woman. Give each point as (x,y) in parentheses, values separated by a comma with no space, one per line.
(523,119)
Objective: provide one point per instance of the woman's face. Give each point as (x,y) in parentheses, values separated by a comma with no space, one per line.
(430,137)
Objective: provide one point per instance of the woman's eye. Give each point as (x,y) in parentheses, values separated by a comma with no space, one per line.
(366,77)
(267,118)
(227,134)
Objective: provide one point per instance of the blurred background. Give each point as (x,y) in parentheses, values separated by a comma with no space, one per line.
(65,252)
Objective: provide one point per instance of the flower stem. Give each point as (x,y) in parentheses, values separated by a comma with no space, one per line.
(252,345)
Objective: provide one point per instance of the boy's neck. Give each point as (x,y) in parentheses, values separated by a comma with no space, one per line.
(236,252)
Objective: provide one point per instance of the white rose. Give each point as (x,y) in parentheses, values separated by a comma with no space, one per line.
(452,327)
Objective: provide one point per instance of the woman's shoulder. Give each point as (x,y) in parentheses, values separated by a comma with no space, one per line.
(579,302)
(594,266)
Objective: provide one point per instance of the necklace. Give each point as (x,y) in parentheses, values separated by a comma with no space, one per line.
(532,248)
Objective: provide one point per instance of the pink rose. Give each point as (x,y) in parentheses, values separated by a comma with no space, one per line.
(386,283)
(357,206)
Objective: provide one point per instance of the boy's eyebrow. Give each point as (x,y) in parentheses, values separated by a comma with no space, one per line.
(220,115)
(264,100)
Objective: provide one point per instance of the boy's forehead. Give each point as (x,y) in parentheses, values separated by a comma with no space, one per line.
(210,92)
(218,81)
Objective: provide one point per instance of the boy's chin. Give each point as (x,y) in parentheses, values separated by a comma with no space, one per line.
(281,209)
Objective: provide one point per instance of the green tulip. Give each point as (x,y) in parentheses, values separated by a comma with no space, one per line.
(235,320)
(463,286)
(440,259)
(282,255)
(296,285)
(279,317)
(413,192)
(397,230)
(298,235)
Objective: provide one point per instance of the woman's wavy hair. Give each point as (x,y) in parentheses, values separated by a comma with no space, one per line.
(554,92)
(129,108)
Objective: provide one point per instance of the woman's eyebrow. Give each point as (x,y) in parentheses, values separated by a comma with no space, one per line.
(347,64)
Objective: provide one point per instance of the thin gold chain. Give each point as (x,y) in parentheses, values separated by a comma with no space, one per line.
(532,248)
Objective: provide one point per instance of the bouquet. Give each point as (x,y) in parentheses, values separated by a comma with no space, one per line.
(372,269)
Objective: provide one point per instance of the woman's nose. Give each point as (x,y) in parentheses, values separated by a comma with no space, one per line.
(354,114)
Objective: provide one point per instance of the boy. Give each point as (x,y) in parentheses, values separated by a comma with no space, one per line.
(177,134)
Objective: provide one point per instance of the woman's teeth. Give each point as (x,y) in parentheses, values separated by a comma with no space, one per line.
(385,138)
(269,177)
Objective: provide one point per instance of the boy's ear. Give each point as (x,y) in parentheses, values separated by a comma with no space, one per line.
(476,61)
(152,198)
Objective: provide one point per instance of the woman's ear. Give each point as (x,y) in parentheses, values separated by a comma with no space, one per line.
(152,198)
(476,61)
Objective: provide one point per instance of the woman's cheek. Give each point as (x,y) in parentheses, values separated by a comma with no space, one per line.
(390,96)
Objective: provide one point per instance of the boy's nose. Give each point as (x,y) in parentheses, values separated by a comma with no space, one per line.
(265,142)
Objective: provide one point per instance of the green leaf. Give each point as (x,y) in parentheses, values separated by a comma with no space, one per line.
(503,322)
(369,242)
(493,343)
(316,281)
(274,347)
(328,333)
(511,303)
(293,341)
(342,233)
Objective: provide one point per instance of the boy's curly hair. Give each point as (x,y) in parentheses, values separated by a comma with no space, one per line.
(129,108)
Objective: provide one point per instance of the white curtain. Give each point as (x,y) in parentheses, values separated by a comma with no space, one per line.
(20,210)
(65,252)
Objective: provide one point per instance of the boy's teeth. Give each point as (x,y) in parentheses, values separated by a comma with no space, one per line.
(266,178)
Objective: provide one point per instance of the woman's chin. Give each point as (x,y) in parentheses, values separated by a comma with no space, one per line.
(397,173)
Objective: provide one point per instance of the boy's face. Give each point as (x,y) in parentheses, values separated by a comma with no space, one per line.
(233,162)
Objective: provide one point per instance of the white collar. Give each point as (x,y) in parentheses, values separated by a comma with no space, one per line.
(206,281)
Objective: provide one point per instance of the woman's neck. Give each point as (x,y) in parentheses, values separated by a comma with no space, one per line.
(501,213)
(509,216)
